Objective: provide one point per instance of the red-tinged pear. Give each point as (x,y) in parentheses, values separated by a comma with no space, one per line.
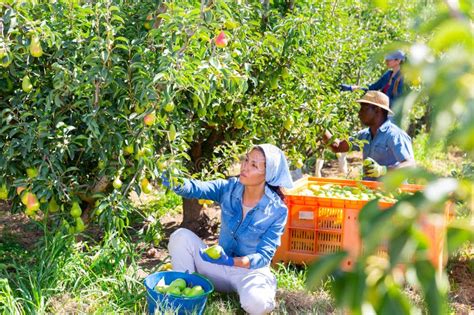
(149,119)
(32,202)
(35,47)
(20,189)
(221,40)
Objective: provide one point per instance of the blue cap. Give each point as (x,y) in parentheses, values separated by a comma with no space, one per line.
(397,54)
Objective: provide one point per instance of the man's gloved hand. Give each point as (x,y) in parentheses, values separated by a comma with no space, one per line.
(345,87)
(222,260)
(373,169)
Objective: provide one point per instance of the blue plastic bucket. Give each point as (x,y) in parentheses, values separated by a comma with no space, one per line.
(179,304)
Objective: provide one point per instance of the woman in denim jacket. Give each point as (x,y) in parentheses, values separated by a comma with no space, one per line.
(253,217)
(390,83)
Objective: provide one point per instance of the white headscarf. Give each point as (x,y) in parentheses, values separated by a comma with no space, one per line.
(277,172)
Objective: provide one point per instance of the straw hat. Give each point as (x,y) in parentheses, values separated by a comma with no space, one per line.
(376,98)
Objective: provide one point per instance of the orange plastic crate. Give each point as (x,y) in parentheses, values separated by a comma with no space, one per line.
(317,226)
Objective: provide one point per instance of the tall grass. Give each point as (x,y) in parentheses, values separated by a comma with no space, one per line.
(61,276)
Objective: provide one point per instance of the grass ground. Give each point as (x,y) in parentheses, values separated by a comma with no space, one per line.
(43,271)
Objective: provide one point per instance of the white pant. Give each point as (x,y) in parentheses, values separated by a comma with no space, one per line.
(256,287)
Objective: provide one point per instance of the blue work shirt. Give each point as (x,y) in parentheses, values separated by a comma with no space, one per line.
(390,146)
(379,85)
(256,236)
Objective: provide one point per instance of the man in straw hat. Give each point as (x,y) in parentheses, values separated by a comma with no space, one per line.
(387,147)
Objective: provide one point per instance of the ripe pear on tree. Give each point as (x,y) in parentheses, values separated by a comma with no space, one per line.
(26,84)
(80,227)
(31,202)
(32,172)
(53,205)
(129,149)
(169,107)
(146,186)
(172,133)
(35,47)
(150,118)
(3,192)
(149,22)
(221,40)
(5,58)
(76,210)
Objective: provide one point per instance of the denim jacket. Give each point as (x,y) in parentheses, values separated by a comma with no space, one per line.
(392,95)
(259,234)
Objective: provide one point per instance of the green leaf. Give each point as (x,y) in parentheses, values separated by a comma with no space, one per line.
(322,267)
(452,32)
(434,287)
(394,302)
(459,232)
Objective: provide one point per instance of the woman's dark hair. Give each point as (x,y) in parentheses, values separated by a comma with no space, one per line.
(275,189)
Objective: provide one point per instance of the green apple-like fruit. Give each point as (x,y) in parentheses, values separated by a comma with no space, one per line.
(214,251)
(174,290)
(186,291)
(179,283)
(117,183)
(161,288)
(32,172)
(169,107)
(196,290)
(129,149)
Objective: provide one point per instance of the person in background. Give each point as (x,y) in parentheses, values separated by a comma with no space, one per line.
(391,82)
(253,218)
(388,146)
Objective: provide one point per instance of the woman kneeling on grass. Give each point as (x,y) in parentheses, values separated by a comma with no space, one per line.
(253,218)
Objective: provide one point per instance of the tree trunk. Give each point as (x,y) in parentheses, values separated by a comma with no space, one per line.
(191,214)
(193,218)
